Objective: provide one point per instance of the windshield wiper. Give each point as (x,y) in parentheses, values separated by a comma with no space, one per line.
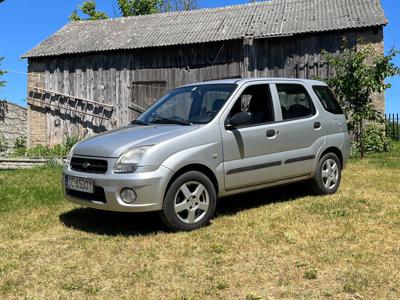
(159,120)
(138,122)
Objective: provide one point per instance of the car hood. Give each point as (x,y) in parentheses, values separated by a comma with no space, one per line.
(114,143)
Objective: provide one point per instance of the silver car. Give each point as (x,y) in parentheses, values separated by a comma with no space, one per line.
(209,140)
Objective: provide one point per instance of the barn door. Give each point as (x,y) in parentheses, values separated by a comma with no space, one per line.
(144,94)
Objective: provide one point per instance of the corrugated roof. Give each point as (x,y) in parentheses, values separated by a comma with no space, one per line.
(261,19)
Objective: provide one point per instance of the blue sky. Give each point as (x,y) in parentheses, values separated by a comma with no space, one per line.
(25,23)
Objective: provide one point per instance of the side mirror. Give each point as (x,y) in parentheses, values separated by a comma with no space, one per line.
(241,118)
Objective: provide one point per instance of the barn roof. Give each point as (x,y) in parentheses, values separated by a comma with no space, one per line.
(261,20)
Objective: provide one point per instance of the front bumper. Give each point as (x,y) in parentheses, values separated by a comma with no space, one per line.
(149,184)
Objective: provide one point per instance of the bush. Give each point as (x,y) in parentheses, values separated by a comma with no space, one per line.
(20,146)
(39,151)
(69,142)
(375,140)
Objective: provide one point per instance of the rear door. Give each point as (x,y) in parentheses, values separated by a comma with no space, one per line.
(300,128)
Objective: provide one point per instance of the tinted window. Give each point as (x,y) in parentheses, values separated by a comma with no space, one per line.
(256,100)
(328,100)
(295,101)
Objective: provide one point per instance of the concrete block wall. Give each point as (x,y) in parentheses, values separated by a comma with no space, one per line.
(13,123)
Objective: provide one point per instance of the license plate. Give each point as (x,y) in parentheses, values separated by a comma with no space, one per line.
(79,184)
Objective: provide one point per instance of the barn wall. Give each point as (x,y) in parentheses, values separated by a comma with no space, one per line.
(128,79)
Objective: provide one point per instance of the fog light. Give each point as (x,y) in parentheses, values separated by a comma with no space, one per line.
(128,196)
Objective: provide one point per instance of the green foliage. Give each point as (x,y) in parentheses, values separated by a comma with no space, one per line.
(2,72)
(139,7)
(375,140)
(179,5)
(20,146)
(129,8)
(391,129)
(88,8)
(3,143)
(41,151)
(359,74)
(69,142)
(310,274)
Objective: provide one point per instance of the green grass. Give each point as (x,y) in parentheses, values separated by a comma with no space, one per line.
(29,188)
(277,243)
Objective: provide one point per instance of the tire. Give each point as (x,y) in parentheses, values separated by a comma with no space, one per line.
(328,175)
(189,202)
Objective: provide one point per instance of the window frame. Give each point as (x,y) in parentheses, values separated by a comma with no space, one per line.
(239,94)
(334,97)
(278,102)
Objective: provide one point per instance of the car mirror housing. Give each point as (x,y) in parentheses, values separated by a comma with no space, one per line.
(241,118)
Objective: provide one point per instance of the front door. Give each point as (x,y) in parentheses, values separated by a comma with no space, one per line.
(250,151)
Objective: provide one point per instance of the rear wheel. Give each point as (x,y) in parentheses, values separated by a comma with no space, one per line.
(189,202)
(328,175)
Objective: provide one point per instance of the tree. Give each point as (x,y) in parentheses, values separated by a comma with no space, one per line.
(129,8)
(179,5)
(359,74)
(89,9)
(139,7)
(2,72)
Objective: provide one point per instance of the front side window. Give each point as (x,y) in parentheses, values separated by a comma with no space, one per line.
(257,101)
(192,105)
(295,101)
(328,100)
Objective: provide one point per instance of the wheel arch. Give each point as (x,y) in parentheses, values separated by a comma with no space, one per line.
(335,151)
(195,167)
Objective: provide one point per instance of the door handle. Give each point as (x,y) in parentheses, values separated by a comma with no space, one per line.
(271,133)
(317,125)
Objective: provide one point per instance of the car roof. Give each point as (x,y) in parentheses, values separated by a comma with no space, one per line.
(241,81)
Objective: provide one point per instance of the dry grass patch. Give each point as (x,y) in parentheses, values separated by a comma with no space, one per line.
(277,243)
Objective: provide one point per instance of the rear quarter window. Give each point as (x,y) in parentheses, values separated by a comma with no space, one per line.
(328,100)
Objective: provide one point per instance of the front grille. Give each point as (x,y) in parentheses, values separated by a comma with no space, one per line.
(98,196)
(89,165)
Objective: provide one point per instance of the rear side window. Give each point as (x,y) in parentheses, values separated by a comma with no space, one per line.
(328,100)
(295,101)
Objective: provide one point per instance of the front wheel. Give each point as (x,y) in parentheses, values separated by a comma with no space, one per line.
(328,175)
(189,202)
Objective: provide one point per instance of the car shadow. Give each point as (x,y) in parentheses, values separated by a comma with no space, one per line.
(131,224)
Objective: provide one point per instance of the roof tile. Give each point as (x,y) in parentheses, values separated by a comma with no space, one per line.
(261,20)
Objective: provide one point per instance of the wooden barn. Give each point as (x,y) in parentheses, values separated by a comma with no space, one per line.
(93,76)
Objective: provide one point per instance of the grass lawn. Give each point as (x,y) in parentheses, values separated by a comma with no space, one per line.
(277,243)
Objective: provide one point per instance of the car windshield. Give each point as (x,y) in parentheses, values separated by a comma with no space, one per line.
(189,105)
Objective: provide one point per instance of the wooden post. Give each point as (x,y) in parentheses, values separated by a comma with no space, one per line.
(386,126)
(393,127)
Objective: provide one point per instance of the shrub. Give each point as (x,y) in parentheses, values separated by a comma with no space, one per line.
(69,142)
(39,151)
(375,140)
(20,146)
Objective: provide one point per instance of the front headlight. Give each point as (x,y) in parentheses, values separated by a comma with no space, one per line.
(69,157)
(129,161)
